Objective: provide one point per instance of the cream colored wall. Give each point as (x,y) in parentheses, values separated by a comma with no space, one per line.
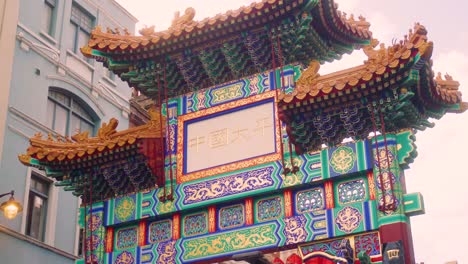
(8,20)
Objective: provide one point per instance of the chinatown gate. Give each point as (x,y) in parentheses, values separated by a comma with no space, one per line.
(248,150)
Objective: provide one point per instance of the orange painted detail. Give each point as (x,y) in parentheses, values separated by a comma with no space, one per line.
(142,233)
(288,208)
(176,226)
(249,216)
(212,219)
(109,239)
(329,195)
(371,183)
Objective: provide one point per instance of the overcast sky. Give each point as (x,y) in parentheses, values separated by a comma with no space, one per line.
(439,171)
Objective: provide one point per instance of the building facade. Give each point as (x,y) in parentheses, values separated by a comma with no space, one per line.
(48,87)
(248,150)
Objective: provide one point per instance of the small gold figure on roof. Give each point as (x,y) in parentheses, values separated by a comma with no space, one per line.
(147,31)
(38,135)
(310,74)
(108,129)
(181,21)
(81,137)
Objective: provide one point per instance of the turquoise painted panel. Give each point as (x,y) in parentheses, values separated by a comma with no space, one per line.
(231,216)
(195,224)
(126,237)
(414,204)
(269,208)
(237,184)
(309,200)
(354,218)
(293,230)
(346,159)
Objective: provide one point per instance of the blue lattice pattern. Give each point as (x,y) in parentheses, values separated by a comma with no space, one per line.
(310,200)
(231,216)
(351,191)
(195,224)
(160,231)
(126,238)
(269,209)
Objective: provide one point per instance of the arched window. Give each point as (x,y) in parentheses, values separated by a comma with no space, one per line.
(67,115)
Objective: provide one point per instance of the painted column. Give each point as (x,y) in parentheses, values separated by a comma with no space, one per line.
(392,221)
(96,236)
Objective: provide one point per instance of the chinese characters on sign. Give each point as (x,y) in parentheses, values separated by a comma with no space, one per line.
(230,137)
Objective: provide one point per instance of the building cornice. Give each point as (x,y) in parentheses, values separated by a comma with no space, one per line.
(17,235)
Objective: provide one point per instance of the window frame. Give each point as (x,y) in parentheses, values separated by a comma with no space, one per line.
(70,112)
(52,4)
(32,193)
(77,26)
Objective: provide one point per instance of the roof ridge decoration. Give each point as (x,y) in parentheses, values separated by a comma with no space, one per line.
(198,54)
(80,145)
(378,60)
(396,80)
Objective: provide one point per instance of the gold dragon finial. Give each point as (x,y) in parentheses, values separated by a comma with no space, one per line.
(180,21)
(147,31)
(81,137)
(108,129)
(309,75)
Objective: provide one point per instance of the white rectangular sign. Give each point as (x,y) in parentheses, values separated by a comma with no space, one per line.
(230,136)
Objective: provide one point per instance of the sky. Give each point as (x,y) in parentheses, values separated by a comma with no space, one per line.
(439,171)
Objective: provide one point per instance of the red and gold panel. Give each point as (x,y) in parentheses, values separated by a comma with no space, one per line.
(371,183)
(329,195)
(212,219)
(249,215)
(176,226)
(288,205)
(142,233)
(109,239)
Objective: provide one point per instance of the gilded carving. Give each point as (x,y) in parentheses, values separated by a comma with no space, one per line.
(310,75)
(229,185)
(348,219)
(227,93)
(342,159)
(294,230)
(249,238)
(181,21)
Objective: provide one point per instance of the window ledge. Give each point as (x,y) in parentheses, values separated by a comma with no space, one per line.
(48,37)
(36,242)
(109,81)
(71,53)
